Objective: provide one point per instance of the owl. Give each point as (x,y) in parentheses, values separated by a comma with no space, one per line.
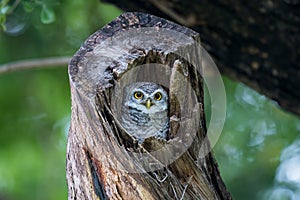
(145,111)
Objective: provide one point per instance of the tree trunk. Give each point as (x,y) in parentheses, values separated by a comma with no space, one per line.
(103,161)
(255,42)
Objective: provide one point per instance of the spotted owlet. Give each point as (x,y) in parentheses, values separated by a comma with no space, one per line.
(145,111)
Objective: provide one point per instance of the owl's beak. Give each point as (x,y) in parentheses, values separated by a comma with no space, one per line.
(148,103)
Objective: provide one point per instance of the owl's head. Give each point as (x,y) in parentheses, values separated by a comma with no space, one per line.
(147,97)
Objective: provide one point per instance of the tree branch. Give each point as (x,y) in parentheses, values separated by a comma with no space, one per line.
(34,63)
(255,43)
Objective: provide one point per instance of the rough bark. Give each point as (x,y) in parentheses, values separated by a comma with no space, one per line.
(103,161)
(255,42)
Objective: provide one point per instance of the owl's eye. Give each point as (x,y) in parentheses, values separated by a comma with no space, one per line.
(157,96)
(138,95)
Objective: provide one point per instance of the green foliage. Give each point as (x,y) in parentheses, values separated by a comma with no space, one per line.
(255,133)
(28,6)
(4,9)
(35,104)
(13,12)
(34,119)
(47,15)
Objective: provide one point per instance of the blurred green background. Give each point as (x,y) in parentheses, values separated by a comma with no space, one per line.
(258,151)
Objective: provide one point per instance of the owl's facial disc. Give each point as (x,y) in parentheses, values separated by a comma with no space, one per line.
(148,101)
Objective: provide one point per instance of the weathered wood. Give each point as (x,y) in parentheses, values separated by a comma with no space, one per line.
(255,42)
(103,161)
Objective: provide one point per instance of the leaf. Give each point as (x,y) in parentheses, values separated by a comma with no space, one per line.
(2,22)
(47,15)
(28,7)
(4,9)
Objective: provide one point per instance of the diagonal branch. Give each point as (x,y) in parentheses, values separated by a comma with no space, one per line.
(34,63)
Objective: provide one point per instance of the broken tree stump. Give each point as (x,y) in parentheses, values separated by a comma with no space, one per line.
(103,161)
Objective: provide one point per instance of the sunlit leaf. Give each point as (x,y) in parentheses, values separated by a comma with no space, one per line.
(4,9)
(47,15)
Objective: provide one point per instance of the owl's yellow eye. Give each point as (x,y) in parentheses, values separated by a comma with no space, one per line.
(157,96)
(138,95)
